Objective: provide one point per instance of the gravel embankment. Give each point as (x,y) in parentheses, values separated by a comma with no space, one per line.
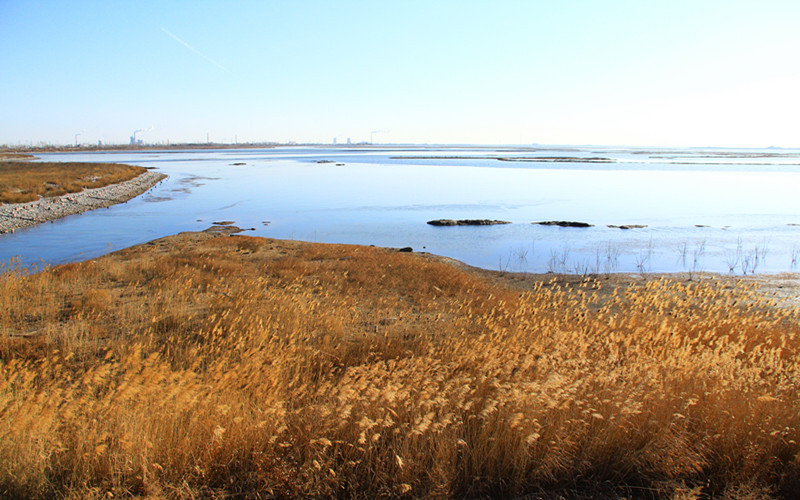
(18,215)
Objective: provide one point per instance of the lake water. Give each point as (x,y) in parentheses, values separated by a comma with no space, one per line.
(709,210)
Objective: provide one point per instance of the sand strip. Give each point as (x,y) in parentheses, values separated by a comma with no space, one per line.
(18,215)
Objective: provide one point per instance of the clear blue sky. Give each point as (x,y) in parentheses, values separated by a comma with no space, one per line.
(671,73)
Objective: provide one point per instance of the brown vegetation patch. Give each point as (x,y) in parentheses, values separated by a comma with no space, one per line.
(8,156)
(211,365)
(21,181)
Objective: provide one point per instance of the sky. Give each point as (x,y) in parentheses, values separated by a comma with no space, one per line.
(637,73)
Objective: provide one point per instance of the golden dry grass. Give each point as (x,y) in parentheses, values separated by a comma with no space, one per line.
(204,365)
(22,181)
(7,156)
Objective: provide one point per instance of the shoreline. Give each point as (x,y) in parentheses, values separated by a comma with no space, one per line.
(15,216)
(783,287)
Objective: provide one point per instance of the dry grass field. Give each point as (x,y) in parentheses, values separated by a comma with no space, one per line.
(22,181)
(9,156)
(206,365)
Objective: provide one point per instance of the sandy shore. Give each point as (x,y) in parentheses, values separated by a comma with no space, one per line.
(18,215)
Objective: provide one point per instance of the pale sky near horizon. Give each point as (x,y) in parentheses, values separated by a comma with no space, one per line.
(639,73)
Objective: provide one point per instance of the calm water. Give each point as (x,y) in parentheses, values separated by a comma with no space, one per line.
(744,200)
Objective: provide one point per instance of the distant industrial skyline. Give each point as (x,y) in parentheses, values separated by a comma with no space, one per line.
(509,72)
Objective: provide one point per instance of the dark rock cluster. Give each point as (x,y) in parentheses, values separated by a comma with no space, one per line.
(466,222)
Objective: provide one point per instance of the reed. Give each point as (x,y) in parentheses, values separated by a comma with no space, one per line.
(202,365)
(9,156)
(23,181)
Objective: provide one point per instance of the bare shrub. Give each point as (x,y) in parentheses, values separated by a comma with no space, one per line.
(644,258)
(732,259)
(611,258)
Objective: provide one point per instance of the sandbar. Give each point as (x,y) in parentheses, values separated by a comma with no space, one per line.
(15,216)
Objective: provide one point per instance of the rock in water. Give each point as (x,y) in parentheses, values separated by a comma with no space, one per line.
(467,222)
(564,223)
(443,222)
(629,226)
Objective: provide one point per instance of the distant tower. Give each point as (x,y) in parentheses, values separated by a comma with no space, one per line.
(334,141)
(348,141)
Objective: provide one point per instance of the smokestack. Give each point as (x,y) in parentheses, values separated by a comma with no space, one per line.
(133,137)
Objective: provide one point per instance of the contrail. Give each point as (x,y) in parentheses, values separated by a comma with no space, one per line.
(215,63)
